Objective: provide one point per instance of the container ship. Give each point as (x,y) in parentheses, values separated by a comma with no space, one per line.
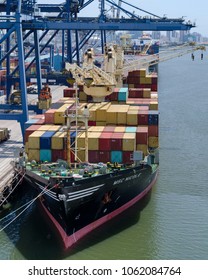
(94,153)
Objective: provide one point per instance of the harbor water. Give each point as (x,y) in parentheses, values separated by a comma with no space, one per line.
(171,222)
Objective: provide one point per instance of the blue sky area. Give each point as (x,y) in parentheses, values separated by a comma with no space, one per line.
(195,11)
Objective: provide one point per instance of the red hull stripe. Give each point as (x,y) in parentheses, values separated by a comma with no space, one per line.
(68,241)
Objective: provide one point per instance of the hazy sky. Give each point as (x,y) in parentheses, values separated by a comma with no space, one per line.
(195,11)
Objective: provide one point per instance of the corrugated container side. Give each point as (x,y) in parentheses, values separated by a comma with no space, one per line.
(153,105)
(34,139)
(104,156)
(116,141)
(34,154)
(143,117)
(81,139)
(93,141)
(45,155)
(58,141)
(45,140)
(142,135)
(153,118)
(127,157)
(101,112)
(49,116)
(129,142)
(153,142)
(105,141)
(93,156)
(153,130)
(132,117)
(116,156)
(58,154)
(59,114)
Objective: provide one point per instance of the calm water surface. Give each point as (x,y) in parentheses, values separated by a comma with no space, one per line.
(171,222)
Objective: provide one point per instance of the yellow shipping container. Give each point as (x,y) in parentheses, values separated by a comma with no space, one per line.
(153,105)
(81,155)
(100,123)
(122,114)
(96,128)
(101,112)
(93,110)
(54,128)
(93,141)
(154,95)
(34,139)
(111,114)
(143,148)
(129,141)
(132,117)
(34,154)
(81,140)
(120,129)
(142,72)
(59,114)
(153,142)
(131,86)
(26,147)
(58,140)
(146,93)
(44,127)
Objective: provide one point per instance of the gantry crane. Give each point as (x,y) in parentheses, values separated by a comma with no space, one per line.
(21,20)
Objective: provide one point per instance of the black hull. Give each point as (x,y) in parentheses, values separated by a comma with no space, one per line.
(75,209)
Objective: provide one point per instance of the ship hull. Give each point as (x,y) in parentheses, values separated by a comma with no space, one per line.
(75,211)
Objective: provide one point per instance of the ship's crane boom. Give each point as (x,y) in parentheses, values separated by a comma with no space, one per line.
(170,53)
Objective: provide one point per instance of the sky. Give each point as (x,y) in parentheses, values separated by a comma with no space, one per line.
(195,11)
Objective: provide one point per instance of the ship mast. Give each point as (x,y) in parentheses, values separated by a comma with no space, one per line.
(77,118)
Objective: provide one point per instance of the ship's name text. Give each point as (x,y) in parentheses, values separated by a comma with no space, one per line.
(122,180)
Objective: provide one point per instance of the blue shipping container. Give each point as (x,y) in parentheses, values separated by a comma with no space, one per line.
(153,117)
(45,140)
(116,156)
(131,129)
(45,155)
(123,94)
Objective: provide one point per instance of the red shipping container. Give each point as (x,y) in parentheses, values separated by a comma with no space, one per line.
(91,123)
(153,130)
(41,121)
(154,87)
(69,92)
(109,129)
(30,130)
(135,92)
(113,96)
(104,156)
(127,157)
(142,117)
(49,116)
(93,156)
(60,154)
(105,141)
(116,141)
(142,135)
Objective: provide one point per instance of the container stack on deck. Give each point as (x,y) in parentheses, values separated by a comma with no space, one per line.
(125,122)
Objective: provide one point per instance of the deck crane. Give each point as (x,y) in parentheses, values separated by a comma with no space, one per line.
(96,82)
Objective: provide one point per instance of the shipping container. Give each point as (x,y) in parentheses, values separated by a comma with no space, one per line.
(33,154)
(129,142)
(116,156)
(105,141)
(116,141)
(45,155)
(142,135)
(45,140)
(34,139)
